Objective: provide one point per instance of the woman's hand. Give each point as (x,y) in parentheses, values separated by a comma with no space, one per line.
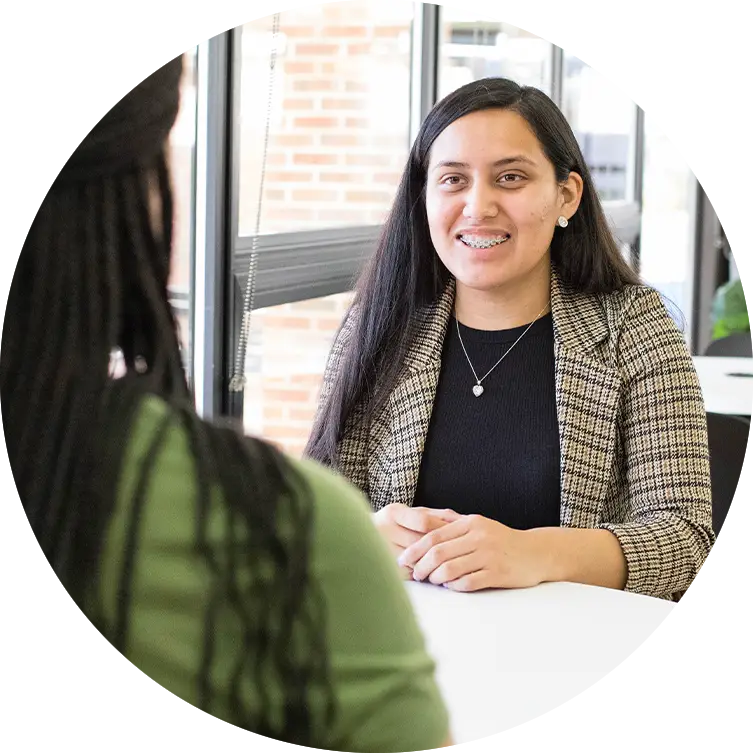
(472,553)
(403,526)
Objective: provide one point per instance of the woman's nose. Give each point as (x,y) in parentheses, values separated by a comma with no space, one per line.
(480,203)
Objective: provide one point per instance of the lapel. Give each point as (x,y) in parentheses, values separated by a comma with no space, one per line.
(412,400)
(587,392)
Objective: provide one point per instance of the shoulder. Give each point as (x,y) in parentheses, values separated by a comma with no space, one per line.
(643,333)
(343,526)
(383,677)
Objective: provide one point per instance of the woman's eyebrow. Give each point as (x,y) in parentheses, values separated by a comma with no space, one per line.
(498,163)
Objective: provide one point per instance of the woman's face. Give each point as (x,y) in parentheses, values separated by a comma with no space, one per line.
(492,200)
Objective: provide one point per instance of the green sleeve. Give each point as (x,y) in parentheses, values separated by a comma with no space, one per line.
(386,694)
(386,698)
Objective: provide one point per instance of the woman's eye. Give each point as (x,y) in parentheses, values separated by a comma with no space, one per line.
(452,180)
(510,178)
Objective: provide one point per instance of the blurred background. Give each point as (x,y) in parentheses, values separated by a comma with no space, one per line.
(331,125)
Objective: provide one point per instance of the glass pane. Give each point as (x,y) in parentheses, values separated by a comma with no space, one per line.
(287,353)
(182,146)
(668,222)
(339,128)
(475,46)
(600,100)
(490,38)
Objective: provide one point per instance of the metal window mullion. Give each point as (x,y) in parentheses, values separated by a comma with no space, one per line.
(211,239)
(558,74)
(424,64)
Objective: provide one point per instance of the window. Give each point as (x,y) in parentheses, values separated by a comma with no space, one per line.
(604,122)
(338,140)
(668,221)
(474,47)
(339,127)
(556,48)
(287,353)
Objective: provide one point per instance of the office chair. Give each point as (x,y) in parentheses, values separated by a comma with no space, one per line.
(737,345)
(728,440)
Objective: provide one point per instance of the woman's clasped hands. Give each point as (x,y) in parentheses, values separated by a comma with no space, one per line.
(460,552)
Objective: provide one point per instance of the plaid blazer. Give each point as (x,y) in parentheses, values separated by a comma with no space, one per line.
(632,429)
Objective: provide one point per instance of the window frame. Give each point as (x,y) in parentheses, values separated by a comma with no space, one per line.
(309,264)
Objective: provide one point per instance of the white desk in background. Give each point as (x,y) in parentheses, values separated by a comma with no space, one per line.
(505,657)
(723,391)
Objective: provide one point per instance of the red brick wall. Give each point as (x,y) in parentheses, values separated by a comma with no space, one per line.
(288,351)
(340,117)
(339,139)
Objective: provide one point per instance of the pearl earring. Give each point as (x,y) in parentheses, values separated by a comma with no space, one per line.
(562,221)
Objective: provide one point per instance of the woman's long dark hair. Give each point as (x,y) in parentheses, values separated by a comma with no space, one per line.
(405,275)
(92,277)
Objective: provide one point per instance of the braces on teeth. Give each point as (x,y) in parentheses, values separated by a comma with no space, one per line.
(486,243)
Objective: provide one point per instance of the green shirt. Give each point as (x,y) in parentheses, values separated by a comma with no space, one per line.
(386,698)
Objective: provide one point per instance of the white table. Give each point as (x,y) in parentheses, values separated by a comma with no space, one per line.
(722,392)
(505,657)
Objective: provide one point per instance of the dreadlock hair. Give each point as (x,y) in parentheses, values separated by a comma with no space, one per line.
(92,277)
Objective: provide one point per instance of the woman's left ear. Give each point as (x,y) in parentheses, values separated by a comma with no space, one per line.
(572,191)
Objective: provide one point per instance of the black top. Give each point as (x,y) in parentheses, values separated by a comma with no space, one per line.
(496,455)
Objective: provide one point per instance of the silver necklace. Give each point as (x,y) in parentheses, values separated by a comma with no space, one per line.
(478,390)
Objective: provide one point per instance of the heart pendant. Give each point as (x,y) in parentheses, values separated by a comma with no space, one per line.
(478,390)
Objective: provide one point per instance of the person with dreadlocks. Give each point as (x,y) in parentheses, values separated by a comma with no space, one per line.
(246,583)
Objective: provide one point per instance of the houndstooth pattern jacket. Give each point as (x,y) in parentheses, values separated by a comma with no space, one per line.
(632,429)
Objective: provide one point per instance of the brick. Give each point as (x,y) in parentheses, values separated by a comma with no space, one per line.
(328,325)
(292,139)
(286,396)
(273,412)
(367,160)
(315,85)
(299,66)
(391,179)
(279,432)
(351,103)
(392,32)
(299,31)
(287,322)
(345,31)
(315,122)
(309,380)
(364,48)
(328,50)
(341,177)
(316,159)
(274,194)
(370,197)
(357,123)
(304,195)
(289,176)
(303,414)
(300,103)
(341,139)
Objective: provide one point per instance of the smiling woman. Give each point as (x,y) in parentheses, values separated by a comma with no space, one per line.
(583,456)
(492,204)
